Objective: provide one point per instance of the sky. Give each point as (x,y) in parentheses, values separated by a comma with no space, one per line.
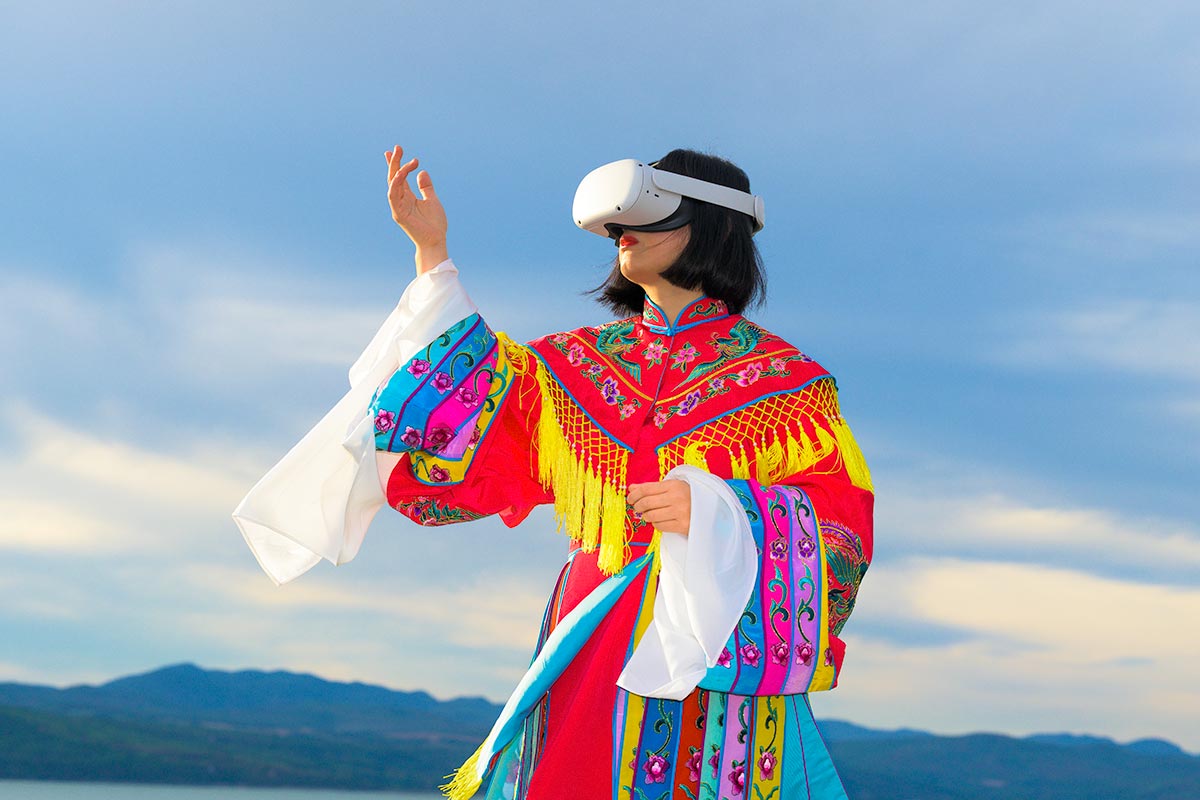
(984,219)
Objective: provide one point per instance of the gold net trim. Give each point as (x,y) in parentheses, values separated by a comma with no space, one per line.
(777,436)
(585,469)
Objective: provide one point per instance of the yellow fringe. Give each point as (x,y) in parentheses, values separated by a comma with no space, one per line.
(465,780)
(856,465)
(589,499)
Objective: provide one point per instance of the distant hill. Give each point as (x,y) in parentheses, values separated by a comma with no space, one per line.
(184,724)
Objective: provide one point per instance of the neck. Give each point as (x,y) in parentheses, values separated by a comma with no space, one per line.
(671,299)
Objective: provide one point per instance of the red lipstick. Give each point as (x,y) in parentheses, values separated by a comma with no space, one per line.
(627,240)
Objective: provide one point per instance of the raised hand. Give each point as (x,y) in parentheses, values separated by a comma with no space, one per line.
(422,218)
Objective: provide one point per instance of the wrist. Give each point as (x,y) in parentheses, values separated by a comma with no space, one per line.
(429,256)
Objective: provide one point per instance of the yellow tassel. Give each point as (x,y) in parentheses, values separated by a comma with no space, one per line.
(856,465)
(465,780)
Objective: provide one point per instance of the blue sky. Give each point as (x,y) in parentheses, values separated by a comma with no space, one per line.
(984,220)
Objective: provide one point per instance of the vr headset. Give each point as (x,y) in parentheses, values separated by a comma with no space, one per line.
(629,195)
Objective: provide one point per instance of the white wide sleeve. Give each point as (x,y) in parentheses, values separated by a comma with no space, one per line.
(704,583)
(319,499)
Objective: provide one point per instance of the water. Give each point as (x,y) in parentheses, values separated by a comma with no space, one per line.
(57,790)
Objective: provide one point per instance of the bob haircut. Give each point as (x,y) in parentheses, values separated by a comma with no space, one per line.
(720,257)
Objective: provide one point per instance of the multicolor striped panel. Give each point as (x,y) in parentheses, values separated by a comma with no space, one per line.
(781,643)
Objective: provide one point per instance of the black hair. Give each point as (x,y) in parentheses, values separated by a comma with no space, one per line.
(720,257)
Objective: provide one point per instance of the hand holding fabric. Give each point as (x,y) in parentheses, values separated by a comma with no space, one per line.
(667,505)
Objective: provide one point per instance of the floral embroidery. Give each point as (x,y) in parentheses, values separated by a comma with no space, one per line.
(779,653)
(438,474)
(693,763)
(559,338)
(660,417)
(766,765)
(684,356)
(719,385)
(467,396)
(628,409)
(384,421)
(443,382)
(689,404)
(804,654)
(411,437)
(655,351)
(737,777)
(656,768)
(575,354)
(725,658)
(430,511)
(418,367)
(806,546)
(829,656)
(474,440)
(715,760)
(779,549)
(609,390)
(437,439)
(750,654)
(750,374)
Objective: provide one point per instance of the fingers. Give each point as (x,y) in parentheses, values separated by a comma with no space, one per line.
(393,157)
(639,490)
(425,184)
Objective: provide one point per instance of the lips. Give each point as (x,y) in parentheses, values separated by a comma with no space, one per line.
(627,241)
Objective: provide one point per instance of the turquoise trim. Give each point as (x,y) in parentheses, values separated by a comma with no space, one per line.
(674,327)
(560,648)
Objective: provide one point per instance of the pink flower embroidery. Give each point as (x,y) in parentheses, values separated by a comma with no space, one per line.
(779,653)
(438,474)
(467,396)
(693,765)
(627,410)
(766,765)
(804,654)
(418,367)
(685,355)
(829,656)
(737,777)
(443,382)
(384,421)
(559,338)
(750,654)
(656,768)
(438,438)
(411,436)
(725,658)
(475,434)
(750,374)
(715,761)
(655,351)
(778,364)
(575,354)
(660,417)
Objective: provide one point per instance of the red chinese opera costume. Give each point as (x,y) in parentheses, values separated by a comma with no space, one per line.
(634,691)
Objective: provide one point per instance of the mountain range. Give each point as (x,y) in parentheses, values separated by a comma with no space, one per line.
(185,724)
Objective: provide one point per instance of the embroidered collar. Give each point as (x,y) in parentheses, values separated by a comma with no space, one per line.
(704,309)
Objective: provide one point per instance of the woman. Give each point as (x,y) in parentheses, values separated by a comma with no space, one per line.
(719,510)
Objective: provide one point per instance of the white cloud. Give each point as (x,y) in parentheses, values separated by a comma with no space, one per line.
(1138,336)
(944,520)
(1051,649)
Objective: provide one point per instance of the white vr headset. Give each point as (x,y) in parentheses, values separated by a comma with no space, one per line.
(631,195)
